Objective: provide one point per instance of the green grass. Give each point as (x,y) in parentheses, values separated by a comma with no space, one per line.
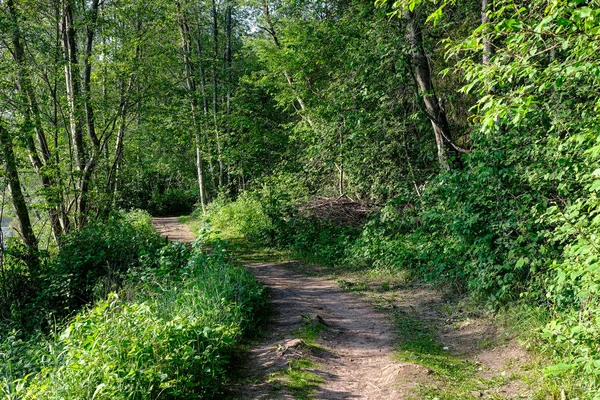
(192,221)
(353,286)
(310,332)
(171,333)
(453,378)
(419,345)
(298,378)
(238,244)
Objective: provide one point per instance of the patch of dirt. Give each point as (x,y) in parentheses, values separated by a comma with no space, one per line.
(355,355)
(468,335)
(172,229)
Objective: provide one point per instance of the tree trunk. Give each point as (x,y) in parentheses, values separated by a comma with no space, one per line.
(190,79)
(18,198)
(228,65)
(271,30)
(422,74)
(488,50)
(87,74)
(90,166)
(72,83)
(31,110)
(204,100)
(215,32)
(79,102)
(229,54)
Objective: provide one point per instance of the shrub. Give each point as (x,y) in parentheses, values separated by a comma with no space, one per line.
(244,216)
(18,290)
(169,335)
(92,262)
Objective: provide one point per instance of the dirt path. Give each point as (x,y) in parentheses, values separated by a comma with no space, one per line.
(349,344)
(353,352)
(172,229)
(355,347)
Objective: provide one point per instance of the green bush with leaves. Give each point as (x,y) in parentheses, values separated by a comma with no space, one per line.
(244,216)
(169,333)
(89,264)
(92,262)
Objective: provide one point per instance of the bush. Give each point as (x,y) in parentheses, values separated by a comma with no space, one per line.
(245,216)
(92,262)
(170,333)
(18,290)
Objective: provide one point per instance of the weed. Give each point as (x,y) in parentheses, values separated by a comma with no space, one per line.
(299,379)
(352,285)
(311,330)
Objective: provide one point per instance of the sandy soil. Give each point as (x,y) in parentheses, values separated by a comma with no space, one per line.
(356,361)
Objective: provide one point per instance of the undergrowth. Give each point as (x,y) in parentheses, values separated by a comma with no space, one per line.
(168,331)
(502,256)
(90,264)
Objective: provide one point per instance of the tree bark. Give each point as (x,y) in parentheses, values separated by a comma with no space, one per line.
(90,165)
(204,99)
(422,74)
(72,82)
(90,30)
(488,50)
(229,53)
(190,78)
(32,111)
(215,32)
(271,30)
(18,199)
(80,102)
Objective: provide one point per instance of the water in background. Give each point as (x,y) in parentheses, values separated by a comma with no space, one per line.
(7,230)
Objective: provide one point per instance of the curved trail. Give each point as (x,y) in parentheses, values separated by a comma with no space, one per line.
(356,345)
(354,350)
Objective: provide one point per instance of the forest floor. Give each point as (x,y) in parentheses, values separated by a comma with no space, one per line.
(342,335)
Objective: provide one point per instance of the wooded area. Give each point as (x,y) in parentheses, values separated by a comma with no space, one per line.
(458,140)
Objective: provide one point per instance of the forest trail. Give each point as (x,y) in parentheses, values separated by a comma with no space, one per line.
(353,347)
(172,229)
(325,342)
(353,351)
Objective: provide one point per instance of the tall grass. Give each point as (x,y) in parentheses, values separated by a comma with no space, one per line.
(169,333)
(243,217)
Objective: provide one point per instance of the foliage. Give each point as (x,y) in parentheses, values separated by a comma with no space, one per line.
(90,264)
(516,220)
(93,261)
(170,333)
(269,218)
(322,100)
(244,216)
(547,88)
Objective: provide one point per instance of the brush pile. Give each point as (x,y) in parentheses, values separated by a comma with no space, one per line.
(341,210)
